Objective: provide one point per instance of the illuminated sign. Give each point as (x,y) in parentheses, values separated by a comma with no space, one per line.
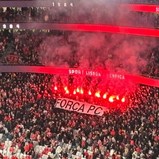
(74,71)
(84,72)
(39,3)
(64,4)
(10,26)
(116,76)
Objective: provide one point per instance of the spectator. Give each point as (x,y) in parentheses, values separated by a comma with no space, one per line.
(28,131)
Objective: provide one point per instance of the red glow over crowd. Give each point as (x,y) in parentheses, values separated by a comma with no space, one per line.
(97,94)
(36,123)
(114,94)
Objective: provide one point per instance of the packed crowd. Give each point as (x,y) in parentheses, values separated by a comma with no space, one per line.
(16,50)
(31,127)
(77,15)
(30,14)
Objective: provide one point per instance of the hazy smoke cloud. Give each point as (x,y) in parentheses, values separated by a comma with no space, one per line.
(55,51)
(99,50)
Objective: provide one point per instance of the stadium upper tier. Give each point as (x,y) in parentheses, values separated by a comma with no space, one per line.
(74,49)
(69,11)
(120,1)
(75,15)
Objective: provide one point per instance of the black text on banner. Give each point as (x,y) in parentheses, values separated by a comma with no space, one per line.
(80,107)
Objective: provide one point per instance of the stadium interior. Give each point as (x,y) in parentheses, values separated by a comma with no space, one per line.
(79,79)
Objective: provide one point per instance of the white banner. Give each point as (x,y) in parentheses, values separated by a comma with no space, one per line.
(80,107)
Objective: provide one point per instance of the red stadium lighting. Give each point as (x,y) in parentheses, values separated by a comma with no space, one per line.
(104,95)
(67,91)
(117,97)
(74,92)
(97,94)
(141,7)
(65,88)
(111,99)
(108,28)
(81,91)
(89,92)
(78,90)
(55,88)
(123,100)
